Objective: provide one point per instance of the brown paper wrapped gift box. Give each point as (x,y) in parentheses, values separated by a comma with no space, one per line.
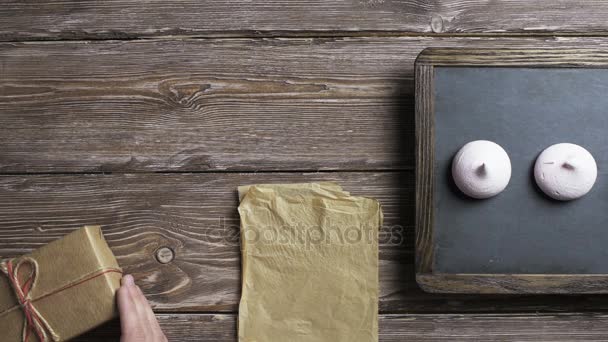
(74,290)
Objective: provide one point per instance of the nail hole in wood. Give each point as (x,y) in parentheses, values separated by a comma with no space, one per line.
(164,255)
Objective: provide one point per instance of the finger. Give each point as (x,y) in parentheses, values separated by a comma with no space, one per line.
(126,306)
(148,311)
(145,313)
(143,320)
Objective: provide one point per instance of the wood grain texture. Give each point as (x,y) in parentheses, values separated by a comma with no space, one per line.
(195,215)
(589,327)
(425,166)
(138,18)
(513,283)
(535,57)
(200,105)
(218,104)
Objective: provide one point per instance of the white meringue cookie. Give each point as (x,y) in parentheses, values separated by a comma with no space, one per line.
(565,171)
(481,169)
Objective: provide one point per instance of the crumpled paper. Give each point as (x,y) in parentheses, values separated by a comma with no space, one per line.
(309,263)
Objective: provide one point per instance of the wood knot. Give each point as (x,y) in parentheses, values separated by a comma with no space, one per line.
(436,23)
(165,255)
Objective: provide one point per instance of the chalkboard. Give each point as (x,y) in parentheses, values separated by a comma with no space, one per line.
(520,241)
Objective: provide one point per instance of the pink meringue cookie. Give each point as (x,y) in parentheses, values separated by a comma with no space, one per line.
(481,169)
(565,171)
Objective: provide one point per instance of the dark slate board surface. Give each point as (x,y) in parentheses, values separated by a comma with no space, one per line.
(521,230)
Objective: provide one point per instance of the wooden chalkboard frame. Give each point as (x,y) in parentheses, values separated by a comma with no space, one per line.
(429,280)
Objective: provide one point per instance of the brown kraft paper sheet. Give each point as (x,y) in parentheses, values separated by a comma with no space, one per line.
(310,264)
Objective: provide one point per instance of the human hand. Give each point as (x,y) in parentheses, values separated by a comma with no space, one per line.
(137,321)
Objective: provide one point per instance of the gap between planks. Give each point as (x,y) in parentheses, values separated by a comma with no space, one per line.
(312,34)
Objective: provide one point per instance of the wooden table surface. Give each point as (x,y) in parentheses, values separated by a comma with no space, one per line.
(144,117)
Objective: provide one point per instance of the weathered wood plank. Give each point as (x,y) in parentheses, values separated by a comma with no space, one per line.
(201,105)
(499,57)
(138,18)
(218,104)
(196,216)
(419,328)
(425,164)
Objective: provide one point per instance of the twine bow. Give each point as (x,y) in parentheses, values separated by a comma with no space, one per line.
(34,322)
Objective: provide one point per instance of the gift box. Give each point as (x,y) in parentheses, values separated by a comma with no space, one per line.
(60,290)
